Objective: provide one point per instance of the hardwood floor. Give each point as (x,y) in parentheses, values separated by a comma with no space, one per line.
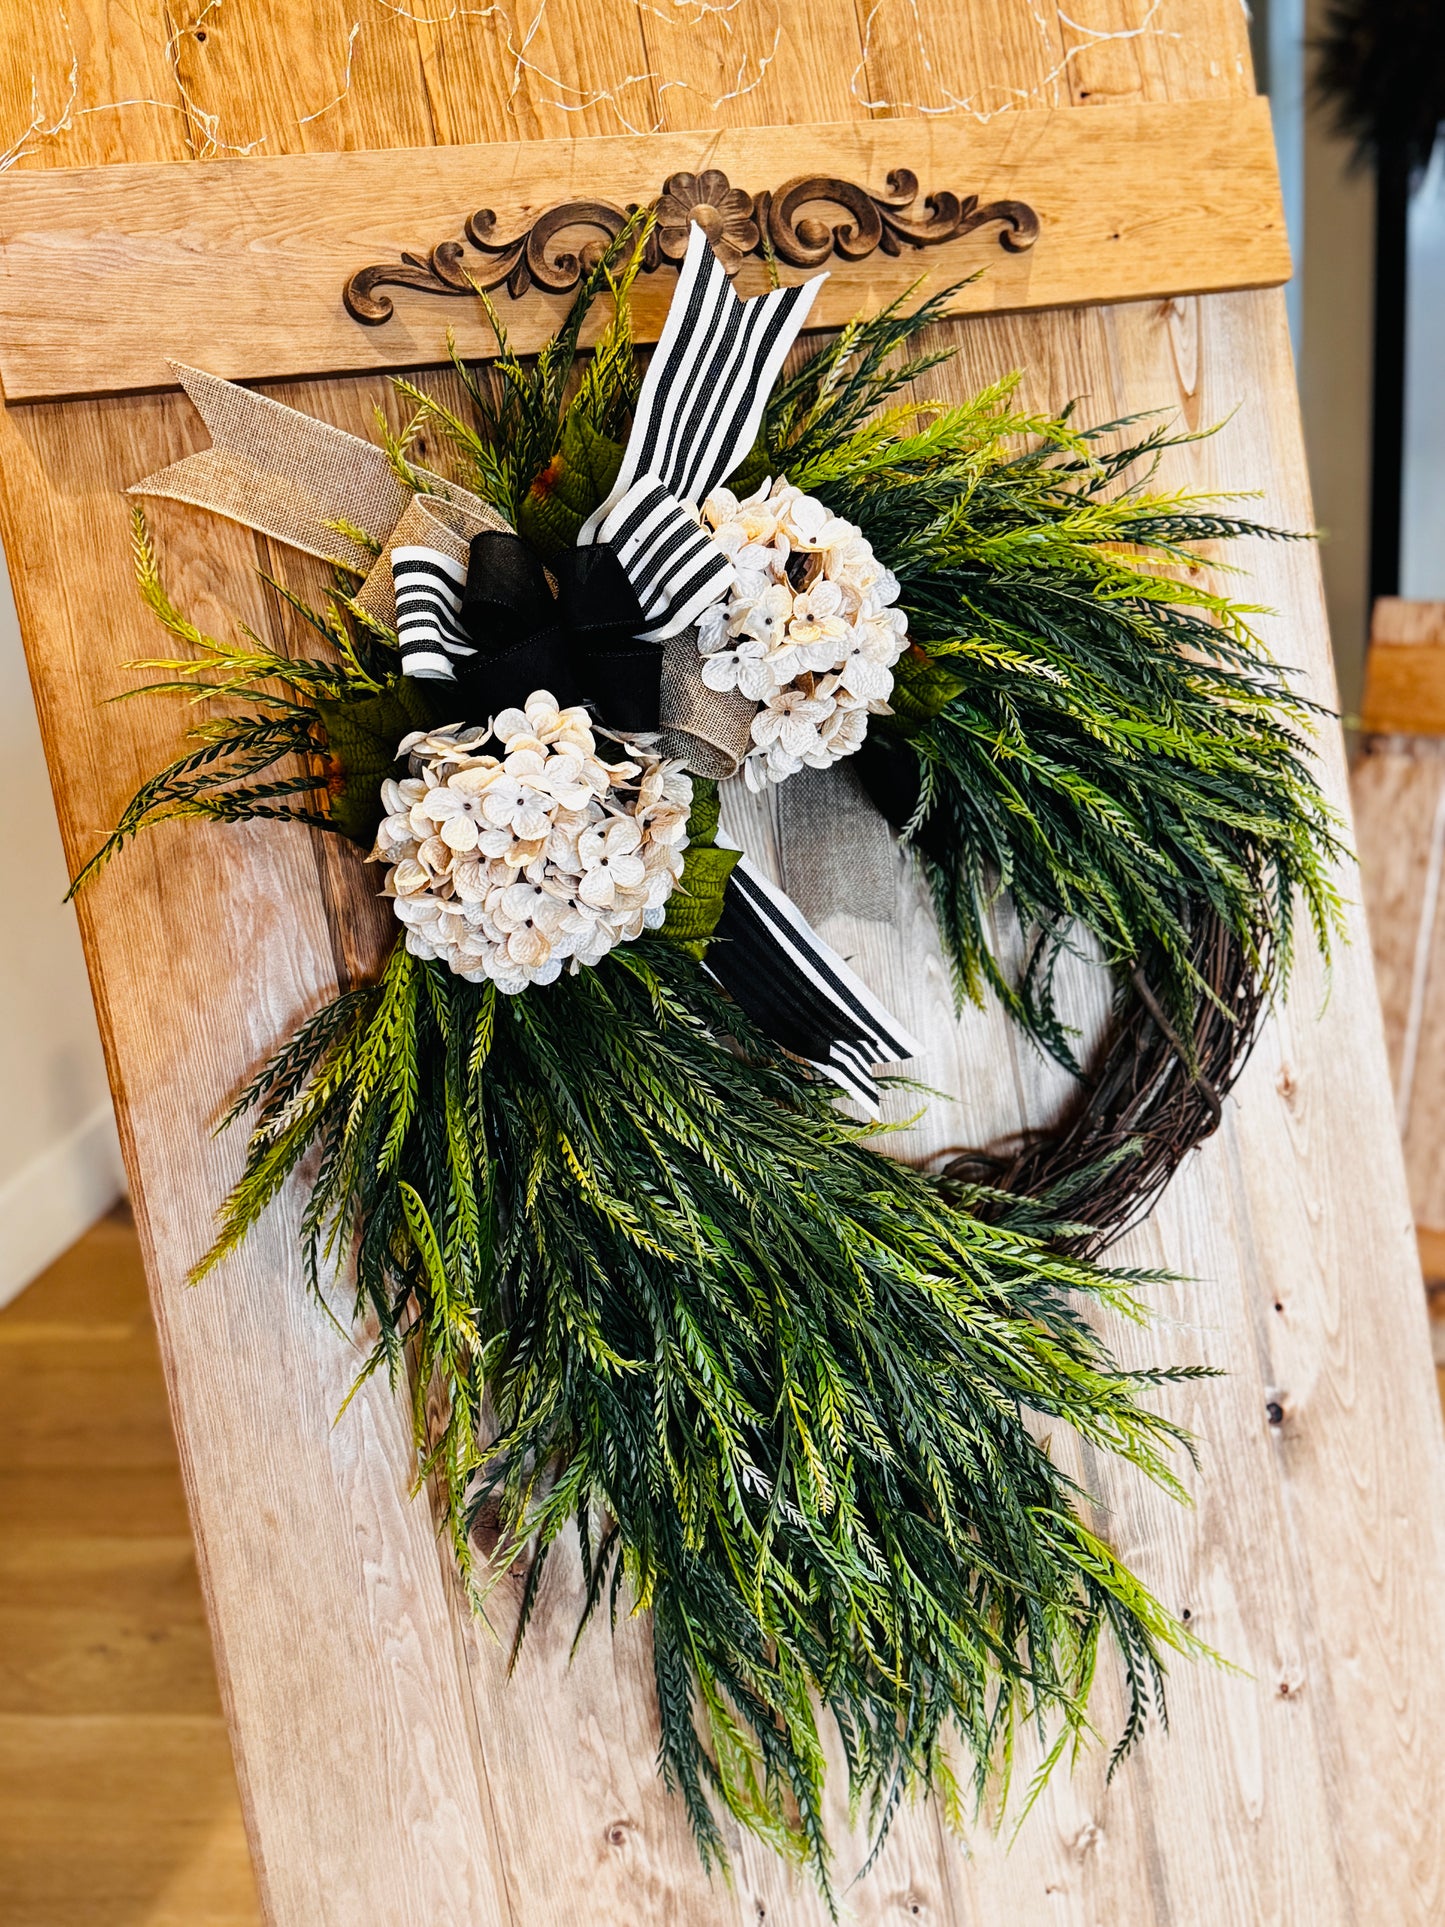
(118,1803)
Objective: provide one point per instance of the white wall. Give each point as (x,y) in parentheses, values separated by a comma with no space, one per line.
(1329,206)
(59,1159)
(1337,260)
(1422,559)
(1277,38)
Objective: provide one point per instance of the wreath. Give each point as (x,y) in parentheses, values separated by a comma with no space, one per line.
(579,1139)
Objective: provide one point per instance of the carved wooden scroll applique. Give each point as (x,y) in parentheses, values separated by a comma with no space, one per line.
(737,224)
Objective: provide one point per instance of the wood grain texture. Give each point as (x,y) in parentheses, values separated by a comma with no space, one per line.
(1405,669)
(1398,783)
(240,268)
(391,1773)
(1431,1242)
(1397,619)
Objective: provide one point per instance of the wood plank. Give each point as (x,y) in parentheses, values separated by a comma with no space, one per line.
(1421,1093)
(1398,790)
(1399,620)
(114,1821)
(815,67)
(1431,1242)
(1163,1844)
(1399,794)
(1326,1328)
(1405,669)
(1305,1791)
(102,1625)
(240,269)
(1118,1850)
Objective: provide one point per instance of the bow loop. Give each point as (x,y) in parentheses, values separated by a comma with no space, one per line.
(506,598)
(706,387)
(620,672)
(581,641)
(675,566)
(506,607)
(597,600)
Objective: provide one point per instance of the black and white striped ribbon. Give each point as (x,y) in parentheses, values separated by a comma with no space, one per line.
(674,566)
(798,989)
(702,402)
(429,628)
(697,418)
(764,952)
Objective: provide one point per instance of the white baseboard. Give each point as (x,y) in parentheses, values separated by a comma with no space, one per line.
(49,1202)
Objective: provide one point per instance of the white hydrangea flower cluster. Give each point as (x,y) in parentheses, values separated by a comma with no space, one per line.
(809,630)
(507,866)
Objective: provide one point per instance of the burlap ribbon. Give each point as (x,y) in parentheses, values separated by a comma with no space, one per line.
(710,729)
(446,522)
(307,484)
(295,478)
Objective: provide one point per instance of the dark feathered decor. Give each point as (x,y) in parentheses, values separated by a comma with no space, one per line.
(1381,75)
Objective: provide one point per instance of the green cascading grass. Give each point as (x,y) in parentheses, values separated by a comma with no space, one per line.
(779,1384)
(1099,736)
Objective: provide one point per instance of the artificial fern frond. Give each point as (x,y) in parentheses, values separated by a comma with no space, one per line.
(1092,728)
(210,781)
(216,778)
(779,1384)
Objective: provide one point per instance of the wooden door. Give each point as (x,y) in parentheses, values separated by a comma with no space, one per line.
(392,1776)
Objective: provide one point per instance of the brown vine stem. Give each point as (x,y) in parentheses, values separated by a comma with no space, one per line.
(1155,1009)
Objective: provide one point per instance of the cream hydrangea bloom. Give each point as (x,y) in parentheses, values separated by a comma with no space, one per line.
(508,865)
(809,629)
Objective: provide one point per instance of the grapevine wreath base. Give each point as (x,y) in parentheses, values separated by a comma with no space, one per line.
(579,1141)
(1148,1098)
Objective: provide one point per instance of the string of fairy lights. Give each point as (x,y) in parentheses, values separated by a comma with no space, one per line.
(735,45)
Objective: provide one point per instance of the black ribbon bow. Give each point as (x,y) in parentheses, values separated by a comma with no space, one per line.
(581,643)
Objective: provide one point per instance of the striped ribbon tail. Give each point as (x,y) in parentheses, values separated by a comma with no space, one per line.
(702,402)
(697,418)
(675,567)
(429,631)
(798,989)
